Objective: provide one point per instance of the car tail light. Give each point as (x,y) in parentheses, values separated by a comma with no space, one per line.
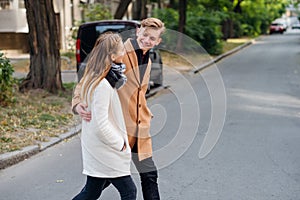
(78,50)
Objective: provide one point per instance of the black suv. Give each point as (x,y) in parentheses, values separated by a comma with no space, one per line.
(89,32)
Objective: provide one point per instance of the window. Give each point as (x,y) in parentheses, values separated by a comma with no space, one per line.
(21,4)
(5,4)
(126,31)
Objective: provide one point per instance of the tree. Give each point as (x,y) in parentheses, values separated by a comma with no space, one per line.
(139,9)
(182,21)
(95,12)
(182,15)
(44,70)
(122,8)
(237,7)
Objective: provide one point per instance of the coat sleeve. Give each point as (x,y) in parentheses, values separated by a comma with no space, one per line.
(100,109)
(76,97)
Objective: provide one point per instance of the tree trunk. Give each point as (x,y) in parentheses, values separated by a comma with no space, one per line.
(139,10)
(122,8)
(237,8)
(44,70)
(227,29)
(182,21)
(159,4)
(173,4)
(182,15)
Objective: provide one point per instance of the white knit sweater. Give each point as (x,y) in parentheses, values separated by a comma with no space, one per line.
(103,137)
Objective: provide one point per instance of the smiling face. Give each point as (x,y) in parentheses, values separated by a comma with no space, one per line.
(148,37)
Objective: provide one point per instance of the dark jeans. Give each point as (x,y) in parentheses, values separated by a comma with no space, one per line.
(94,186)
(148,175)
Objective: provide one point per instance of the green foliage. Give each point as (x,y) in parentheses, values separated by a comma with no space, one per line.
(258,14)
(205,28)
(7,81)
(35,116)
(71,38)
(169,16)
(204,25)
(96,11)
(201,26)
(206,19)
(70,86)
(91,12)
(68,54)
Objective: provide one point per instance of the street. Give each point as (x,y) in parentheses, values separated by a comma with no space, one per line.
(254,157)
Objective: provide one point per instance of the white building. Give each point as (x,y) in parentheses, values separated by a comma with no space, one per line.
(14,27)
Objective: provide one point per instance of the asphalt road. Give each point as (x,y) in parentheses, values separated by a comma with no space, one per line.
(248,102)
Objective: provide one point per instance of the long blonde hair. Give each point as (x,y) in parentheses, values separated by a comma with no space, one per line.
(99,63)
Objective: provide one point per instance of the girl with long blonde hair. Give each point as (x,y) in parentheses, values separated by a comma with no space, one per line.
(106,153)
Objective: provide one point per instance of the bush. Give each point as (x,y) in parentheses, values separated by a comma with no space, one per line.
(96,11)
(90,12)
(200,26)
(7,81)
(169,16)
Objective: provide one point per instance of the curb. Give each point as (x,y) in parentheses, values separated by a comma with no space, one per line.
(11,158)
(220,57)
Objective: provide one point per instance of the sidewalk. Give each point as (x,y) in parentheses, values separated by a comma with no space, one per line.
(11,158)
(68,75)
(15,54)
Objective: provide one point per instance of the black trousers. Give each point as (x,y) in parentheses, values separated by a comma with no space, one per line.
(94,187)
(148,175)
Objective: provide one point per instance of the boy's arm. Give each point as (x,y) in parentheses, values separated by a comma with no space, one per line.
(76,98)
(79,108)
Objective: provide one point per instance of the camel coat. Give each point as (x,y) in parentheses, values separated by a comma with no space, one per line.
(136,113)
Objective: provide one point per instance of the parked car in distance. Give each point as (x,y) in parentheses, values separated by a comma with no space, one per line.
(296,26)
(277,27)
(89,32)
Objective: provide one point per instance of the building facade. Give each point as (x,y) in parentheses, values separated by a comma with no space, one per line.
(14,27)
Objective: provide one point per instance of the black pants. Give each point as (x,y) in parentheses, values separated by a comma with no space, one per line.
(148,175)
(94,187)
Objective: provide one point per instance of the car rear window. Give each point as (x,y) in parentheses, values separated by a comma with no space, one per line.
(125,30)
(114,28)
(89,33)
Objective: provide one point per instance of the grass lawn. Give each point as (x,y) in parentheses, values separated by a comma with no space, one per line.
(35,117)
(232,43)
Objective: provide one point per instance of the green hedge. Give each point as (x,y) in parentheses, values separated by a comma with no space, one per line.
(7,82)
